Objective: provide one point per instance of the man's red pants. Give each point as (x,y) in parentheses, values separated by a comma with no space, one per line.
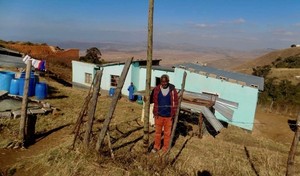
(160,124)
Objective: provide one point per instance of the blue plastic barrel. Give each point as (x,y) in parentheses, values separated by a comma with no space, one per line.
(41,91)
(5,79)
(31,90)
(14,87)
(140,99)
(112,91)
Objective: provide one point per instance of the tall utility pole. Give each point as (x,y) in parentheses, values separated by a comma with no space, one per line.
(148,76)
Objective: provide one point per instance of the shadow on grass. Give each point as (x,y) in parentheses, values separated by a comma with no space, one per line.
(124,135)
(250,161)
(204,173)
(292,124)
(40,136)
(52,91)
(58,79)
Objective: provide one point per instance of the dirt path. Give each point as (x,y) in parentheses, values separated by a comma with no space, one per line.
(8,157)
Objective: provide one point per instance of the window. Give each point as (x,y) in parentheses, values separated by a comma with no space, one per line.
(114,79)
(88,78)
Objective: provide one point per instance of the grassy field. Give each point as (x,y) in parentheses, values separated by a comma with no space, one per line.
(232,152)
(286,73)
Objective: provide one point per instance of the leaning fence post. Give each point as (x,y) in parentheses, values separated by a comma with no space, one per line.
(92,108)
(177,111)
(200,124)
(290,170)
(113,104)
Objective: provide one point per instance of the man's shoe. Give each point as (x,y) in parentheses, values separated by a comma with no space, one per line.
(154,150)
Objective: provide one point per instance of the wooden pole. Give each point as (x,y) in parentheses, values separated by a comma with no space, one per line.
(291,158)
(92,108)
(148,76)
(200,124)
(109,146)
(177,111)
(24,104)
(113,104)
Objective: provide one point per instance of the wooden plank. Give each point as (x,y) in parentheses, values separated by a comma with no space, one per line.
(3,93)
(177,111)
(290,170)
(36,111)
(114,102)
(92,108)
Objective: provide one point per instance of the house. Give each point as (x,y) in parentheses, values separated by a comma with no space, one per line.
(231,86)
(83,74)
(235,87)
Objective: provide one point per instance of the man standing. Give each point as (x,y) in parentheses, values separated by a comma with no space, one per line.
(131,91)
(165,99)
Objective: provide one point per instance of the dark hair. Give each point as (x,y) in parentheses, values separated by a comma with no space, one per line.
(165,76)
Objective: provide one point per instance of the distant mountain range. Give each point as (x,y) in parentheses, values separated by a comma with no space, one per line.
(169,53)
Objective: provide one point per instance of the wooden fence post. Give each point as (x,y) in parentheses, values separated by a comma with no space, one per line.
(114,102)
(200,125)
(177,111)
(92,108)
(24,104)
(290,170)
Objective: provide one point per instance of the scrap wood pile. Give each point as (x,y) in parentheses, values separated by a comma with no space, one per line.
(36,107)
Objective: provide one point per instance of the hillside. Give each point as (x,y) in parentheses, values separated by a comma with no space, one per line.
(58,60)
(232,152)
(267,59)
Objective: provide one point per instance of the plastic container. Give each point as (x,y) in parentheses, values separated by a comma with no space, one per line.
(41,91)
(112,91)
(14,87)
(5,79)
(140,99)
(31,90)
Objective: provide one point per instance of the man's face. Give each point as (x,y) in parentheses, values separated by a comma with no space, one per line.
(164,82)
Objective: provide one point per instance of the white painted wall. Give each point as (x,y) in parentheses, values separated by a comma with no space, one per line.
(79,69)
(115,70)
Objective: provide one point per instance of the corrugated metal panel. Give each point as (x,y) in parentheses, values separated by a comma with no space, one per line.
(227,103)
(250,80)
(211,118)
(225,111)
(211,97)
(215,123)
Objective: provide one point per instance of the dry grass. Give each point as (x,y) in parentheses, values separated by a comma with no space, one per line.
(286,73)
(232,152)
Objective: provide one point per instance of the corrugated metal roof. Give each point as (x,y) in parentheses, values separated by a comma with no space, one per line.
(249,80)
(158,67)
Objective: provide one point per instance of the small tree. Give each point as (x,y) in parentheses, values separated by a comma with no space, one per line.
(93,55)
(261,71)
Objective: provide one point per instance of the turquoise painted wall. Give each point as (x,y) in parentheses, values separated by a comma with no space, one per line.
(245,96)
(135,75)
(154,74)
(79,69)
(115,70)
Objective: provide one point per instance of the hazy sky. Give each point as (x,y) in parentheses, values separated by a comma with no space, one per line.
(239,24)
